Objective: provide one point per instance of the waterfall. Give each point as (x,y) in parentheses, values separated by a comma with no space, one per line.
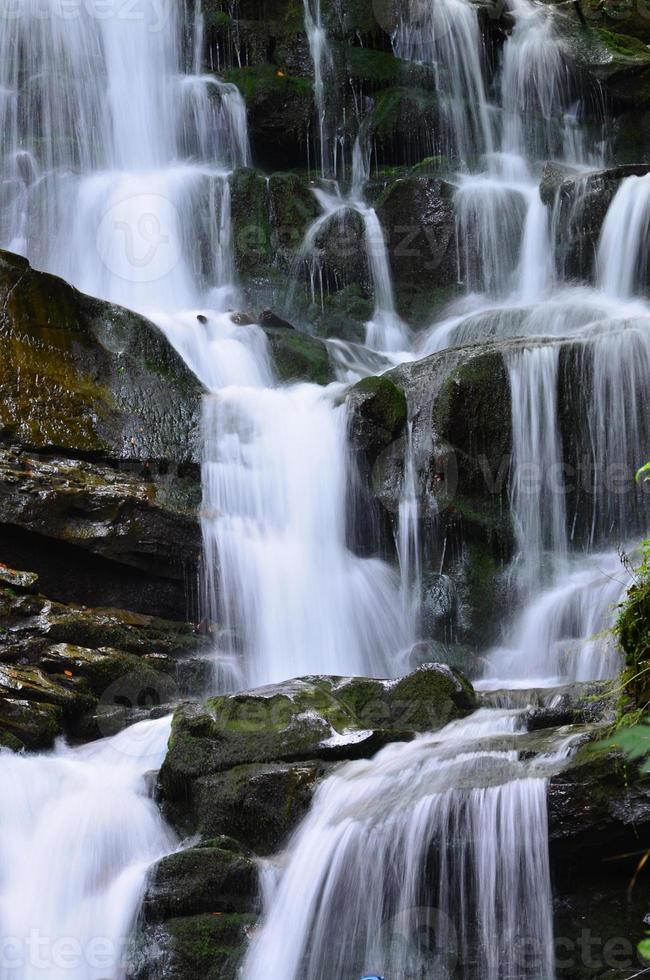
(416,864)
(408,539)
(431,858)
(447,35)
(111,150)
(386,331)
(321,57)
(563,634)
(537,477)
(78,832)
(274,517)
(622,259)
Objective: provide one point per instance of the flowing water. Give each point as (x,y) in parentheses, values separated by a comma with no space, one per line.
(115,154)
(415,865)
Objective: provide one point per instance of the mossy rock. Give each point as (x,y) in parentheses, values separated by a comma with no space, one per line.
(418,218)
(85,376)
(261,805)
(583,201)
(293,208)
(279,113)
(406,124)
(24,724)
(298,357)
(35,624)
(206,879)
(135,519)
(625,18)
(618,62)
(214,751)
(207,946)
(251,233)
(377,414)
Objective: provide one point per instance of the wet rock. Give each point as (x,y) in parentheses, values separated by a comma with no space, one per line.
(341,253)
(33,623)
(270,319)
(217,750)
(22,581)
(298,357)
(20,682)
(598,809)
(24,724)
(417,215)
(618,62)
(250,220)
(99,445)
(260,804)
(85,376)
(206,879)
(406,123)
(185,948)
(112,513)
(377,414)
(63,663)
(582,202)
(279,108)
(293,208)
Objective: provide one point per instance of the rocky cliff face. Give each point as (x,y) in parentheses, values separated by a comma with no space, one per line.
(99,448)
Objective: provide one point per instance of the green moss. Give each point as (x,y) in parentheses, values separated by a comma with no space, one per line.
(377,67)
(298,357)
(386,403)
(250,220)
(633,633)
(259,81)
(208,946)
(398,109)
(623,45)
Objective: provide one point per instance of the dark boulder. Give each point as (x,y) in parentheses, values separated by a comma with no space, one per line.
(99,446)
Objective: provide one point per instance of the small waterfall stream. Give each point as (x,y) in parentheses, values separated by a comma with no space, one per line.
(116,156)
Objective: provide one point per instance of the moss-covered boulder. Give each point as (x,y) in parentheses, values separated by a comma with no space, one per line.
(297,356)
(280,107)
(238,754)
(99,444)
(406,124)
(418,218)
(377,414)
(293,208)
(82,375)
(618,62)
(214,878)
(582,202)
(209,946)
(88,672)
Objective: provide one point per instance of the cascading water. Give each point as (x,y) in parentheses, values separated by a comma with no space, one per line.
(116,158)
(386,332)
(536,481)
(275,520)
(622,259)
(416,865)
(112,152)
(78,831)
(322,59)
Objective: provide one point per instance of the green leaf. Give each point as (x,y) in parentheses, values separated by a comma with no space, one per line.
(643,474)
(644,948)
(634,742)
